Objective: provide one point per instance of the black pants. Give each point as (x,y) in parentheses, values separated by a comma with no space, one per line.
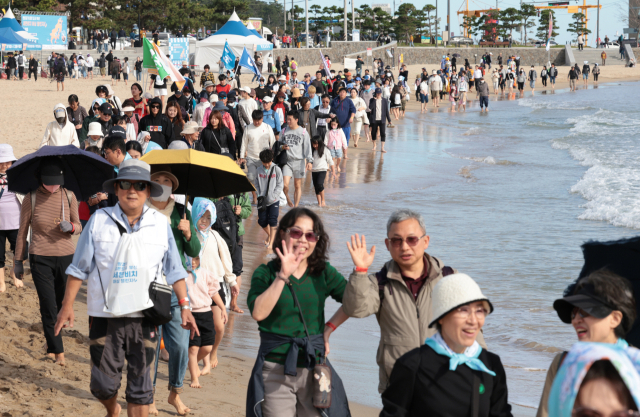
(544,81)
(35,74)
(49,277)
(12,235)
(322,131)
(21,72)
(580,47)
(595,77)
(383,130)
(318,179)
(236,257)
(113,43)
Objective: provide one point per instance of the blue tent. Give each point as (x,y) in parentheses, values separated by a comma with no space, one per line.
(12,41)
(9,21)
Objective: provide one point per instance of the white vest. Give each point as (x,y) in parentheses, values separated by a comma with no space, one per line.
(105,234)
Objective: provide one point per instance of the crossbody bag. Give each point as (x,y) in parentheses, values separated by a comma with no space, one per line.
(262,200)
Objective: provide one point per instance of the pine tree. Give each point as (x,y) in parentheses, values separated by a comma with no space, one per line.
(527,11)
(543,26)
(579,24)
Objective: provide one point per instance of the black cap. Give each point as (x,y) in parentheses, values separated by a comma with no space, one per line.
(117,132)
(586,299)
(52,171)
(105,108)
(179,92)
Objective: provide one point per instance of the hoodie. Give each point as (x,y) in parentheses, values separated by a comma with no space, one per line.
(57,134)
(159,126)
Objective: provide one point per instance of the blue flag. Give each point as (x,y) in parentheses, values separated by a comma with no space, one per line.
(248,62)
(228,58)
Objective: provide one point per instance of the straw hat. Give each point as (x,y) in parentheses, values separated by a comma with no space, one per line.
(6,153)
(191,127)
(296,93)
(454,291)
(95,129)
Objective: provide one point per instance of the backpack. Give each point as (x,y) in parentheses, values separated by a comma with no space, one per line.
(20,60)
(383,280)
(226,223)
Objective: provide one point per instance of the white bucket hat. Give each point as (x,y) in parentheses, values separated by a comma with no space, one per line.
(454,291)
(190,127)
(6,153)
(95,129)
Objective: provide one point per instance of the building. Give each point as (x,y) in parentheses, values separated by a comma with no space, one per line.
(386,7)
(634,17)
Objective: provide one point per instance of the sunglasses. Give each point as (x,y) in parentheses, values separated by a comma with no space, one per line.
(579,312)
(297,234)
(397,242)
(155,106)
(138,186)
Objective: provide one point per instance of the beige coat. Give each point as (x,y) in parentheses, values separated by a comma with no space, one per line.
(404,323)
(54,135)
(543,408)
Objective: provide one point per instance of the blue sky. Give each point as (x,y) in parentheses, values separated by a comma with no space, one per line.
(610,20)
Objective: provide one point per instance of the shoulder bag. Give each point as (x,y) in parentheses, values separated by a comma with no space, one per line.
(321,372)
(262,200)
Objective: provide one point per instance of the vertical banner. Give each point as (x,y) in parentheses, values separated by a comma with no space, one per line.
(50,31)
(179,50)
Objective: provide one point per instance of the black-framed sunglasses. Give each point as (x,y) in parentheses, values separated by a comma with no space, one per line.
(296,233)
(154,106)
(138,186)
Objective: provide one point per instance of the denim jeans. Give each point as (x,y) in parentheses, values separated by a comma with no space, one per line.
(255,78)
(176,340)
(138,75)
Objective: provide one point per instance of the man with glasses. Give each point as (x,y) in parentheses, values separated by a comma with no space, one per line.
(116,338)
(400,295)
(325,107)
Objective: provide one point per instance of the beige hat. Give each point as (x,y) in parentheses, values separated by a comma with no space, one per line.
(95,129)
(165,170)
(213,98)
(454,291)
(191,127)
(296,93)
(282,78)
(110,91)
(128,108)
(246,89)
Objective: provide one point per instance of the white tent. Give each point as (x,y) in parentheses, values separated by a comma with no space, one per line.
(237,35)
(9,21)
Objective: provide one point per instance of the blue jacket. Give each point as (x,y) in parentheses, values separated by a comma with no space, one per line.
(343,110)
(272,119)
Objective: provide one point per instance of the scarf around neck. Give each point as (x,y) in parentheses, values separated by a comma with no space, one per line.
(166,211)
(469,357)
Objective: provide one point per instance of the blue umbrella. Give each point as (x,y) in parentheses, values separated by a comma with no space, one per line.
(84,171)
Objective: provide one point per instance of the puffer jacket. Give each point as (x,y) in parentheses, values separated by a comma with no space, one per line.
(404,323)
(56,135)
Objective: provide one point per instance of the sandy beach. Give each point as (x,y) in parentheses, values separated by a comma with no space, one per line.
(31,384)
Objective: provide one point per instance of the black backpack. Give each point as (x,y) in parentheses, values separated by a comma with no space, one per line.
(226,223)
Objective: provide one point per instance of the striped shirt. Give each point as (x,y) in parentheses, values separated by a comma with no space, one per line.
(48,239)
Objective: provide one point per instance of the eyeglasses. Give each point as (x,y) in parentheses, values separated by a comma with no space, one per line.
(138,186)
(589,412)
(296,233)
(411,241)
(579,312)
(155,106)
(465,312)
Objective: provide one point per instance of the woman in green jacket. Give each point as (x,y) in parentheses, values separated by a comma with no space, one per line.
(176,339)
(301,269)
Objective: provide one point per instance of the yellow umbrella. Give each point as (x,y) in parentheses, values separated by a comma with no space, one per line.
(201,174)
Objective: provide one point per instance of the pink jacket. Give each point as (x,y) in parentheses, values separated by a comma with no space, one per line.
(202,291)
(335,139)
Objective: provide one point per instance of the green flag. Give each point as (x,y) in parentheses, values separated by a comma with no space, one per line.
(157,63)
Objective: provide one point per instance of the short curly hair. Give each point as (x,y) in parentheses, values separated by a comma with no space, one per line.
(616,291)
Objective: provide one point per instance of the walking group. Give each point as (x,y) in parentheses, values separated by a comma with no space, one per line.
(163,266)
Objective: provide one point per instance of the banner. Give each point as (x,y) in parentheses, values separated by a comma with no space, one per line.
(179,50)
(326,67)
(50,31)
(228,57)
(157,63)
(550,30)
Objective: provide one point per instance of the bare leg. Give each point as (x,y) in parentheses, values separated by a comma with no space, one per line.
(367,133)
(255,197)
(298,190)
(336,162)
(267,230)
(211,361)
(233,305)
(321,197)
(194,371)
(112,406)
(3,286)
(137,410)
(286,190)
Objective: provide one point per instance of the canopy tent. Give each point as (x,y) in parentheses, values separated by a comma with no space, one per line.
(238,36)
(11,41)
(9,21)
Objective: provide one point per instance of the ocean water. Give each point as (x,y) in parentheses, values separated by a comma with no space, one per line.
(508,198)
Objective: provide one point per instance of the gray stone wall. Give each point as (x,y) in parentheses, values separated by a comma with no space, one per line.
(311,56)
(528,56)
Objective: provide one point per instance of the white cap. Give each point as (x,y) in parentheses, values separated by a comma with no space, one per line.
(268,99)
(213,98)
(246,89)
(454,291)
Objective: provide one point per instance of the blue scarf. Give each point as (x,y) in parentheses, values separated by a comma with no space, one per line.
(469,357)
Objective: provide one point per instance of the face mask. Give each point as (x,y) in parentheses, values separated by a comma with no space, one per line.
(166,193)
(61,120)
(51,188)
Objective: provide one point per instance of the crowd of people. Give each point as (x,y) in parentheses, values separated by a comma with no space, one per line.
(432,356)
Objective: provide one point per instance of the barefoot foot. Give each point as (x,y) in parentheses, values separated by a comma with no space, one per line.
(236,309)
(206,369)
(3,286)
(214,360)
(153,411)
(195,384)
(174,400)
(17,282)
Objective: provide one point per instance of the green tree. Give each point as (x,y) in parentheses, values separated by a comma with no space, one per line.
(428,8)
(315,9)
(579,24)
(528,12)
(471,24)
(510,19)
(405,22)
(543,25)
(489,25)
